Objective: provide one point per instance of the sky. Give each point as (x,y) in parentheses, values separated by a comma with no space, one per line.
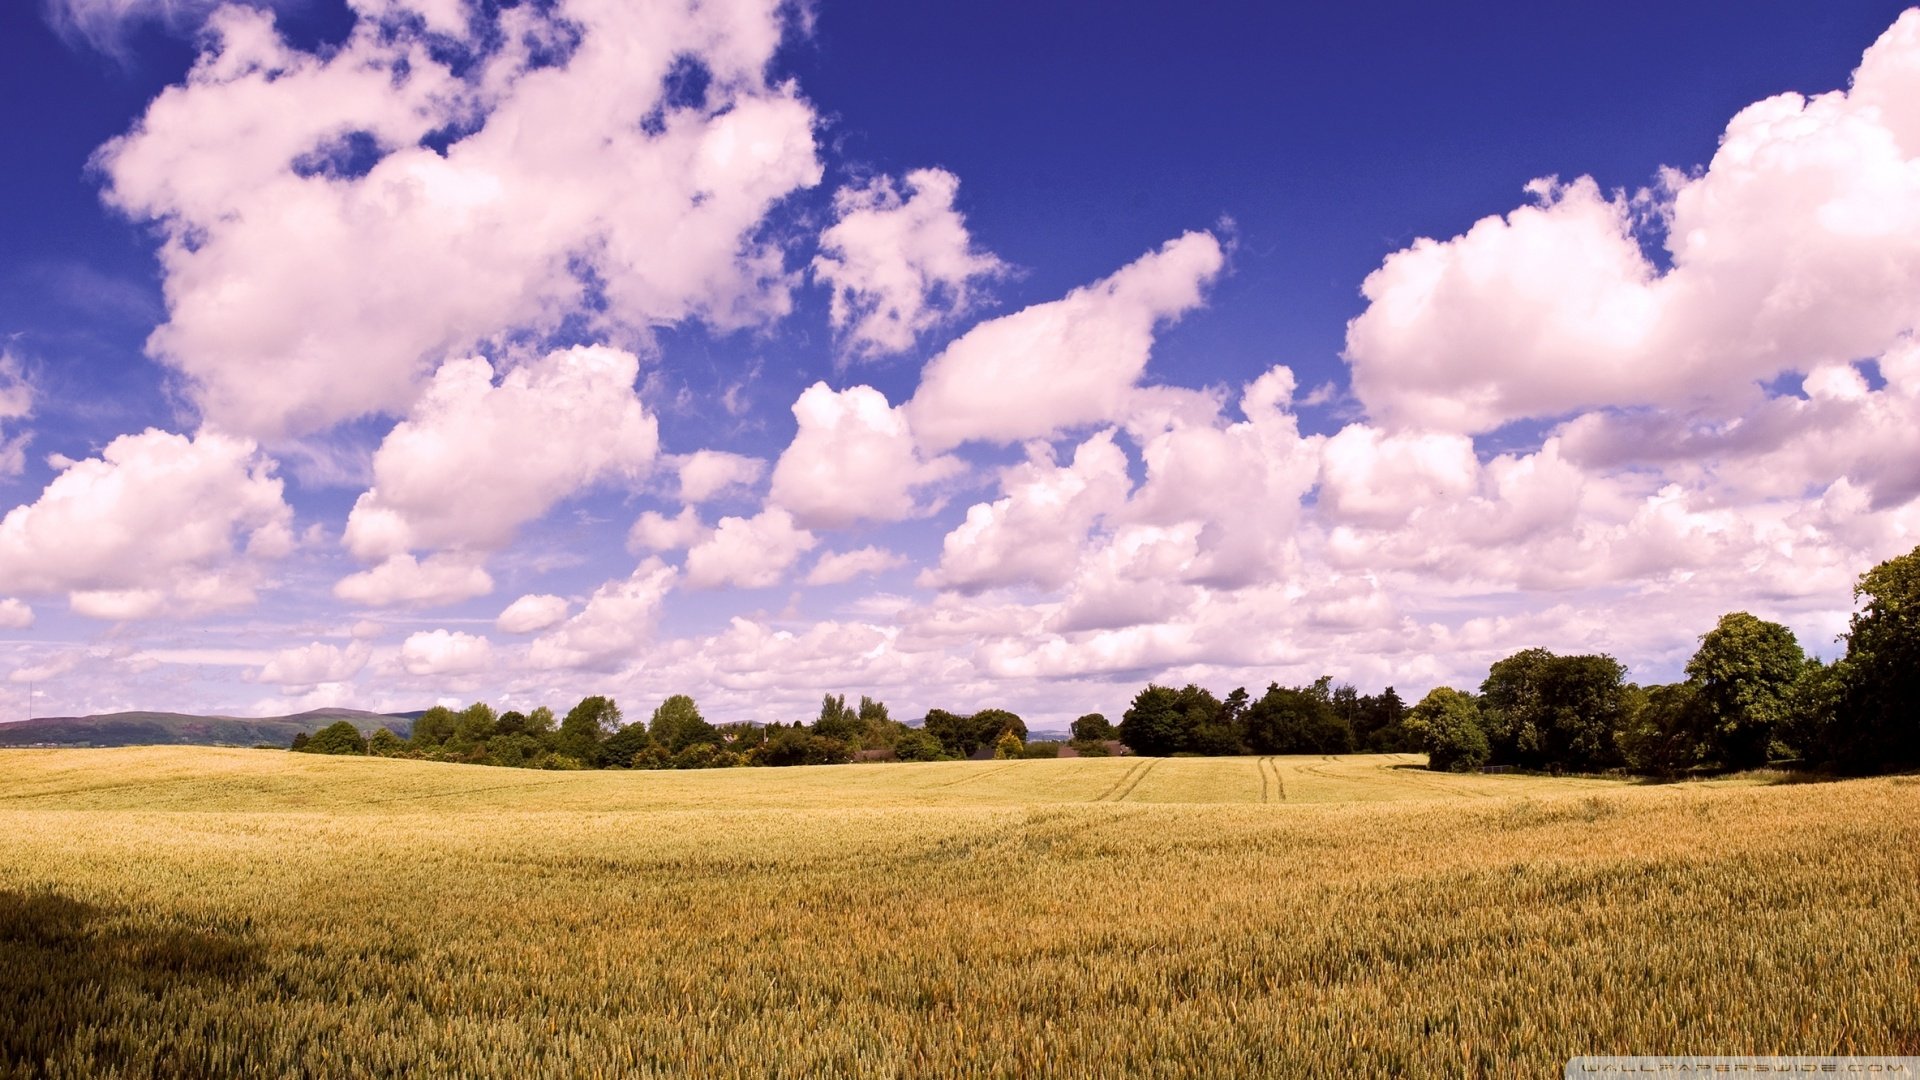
(392,352)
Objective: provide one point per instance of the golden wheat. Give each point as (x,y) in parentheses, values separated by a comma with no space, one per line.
(191,912)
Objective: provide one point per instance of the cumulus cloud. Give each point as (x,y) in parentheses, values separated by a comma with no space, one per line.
(1064,363)
(750,553)
(15,615)
(608,632)
(899,261)
(532,612)
(1033,534)
(835,567)
(708,474)
(654,531)
(310,665)
(337,222)
(475,460)
(853,457)
(402,579)
(157,521)
(1798,246)
(443,652)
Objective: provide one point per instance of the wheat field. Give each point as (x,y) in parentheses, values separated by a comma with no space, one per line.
(194,912)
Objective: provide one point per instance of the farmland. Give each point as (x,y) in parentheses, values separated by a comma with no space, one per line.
(192,911)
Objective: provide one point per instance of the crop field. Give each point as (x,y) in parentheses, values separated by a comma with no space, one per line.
(193,912)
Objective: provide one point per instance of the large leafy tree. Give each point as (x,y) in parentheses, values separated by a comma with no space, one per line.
(1661,733)
(838,721)
(1447,724)
(1876,724)
(1093,727)
(1743,674)
(1164,721)
(340,737)
(677,724)
(1559,712)
(434,727)
(586,726)
(1297,720)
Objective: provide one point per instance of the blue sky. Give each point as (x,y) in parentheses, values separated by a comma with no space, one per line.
(963,355)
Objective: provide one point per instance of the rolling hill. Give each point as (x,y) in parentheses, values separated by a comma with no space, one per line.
(165,728)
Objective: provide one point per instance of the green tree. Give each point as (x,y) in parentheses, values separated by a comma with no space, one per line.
(1447,723)
(1156,723)
(1661,736)
(1093,727)
(916,745)
(1558,712)
(511,722)
(474,725)
(622,746)
(384,743)
(300,740)
(1875,723)
(434,727)
(1743,675)
(1297,720)
(837,721)
(990,724)
(540,722)
(339,737)
(677,724)
(586,726)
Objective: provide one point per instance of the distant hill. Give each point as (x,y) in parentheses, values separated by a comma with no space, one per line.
(163,728)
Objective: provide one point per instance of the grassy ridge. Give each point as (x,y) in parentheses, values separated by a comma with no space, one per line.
(166,911)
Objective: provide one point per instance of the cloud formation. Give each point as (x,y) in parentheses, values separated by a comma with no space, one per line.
(157,522)
(899,261)
(336,223)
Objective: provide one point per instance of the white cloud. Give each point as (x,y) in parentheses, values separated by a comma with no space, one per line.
(835,567)
(310,665)
(442,652)
(708,474)
(15,615)
(853,457)
(608,632)
(325,245)
(750,553)
(156,521)
(899,264)
(1033,535)
(475,461)
(16,404)
(1797,247)
(654,531)
(402,579)
(532,612)
(1064,363)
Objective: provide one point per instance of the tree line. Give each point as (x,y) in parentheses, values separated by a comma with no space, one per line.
(1751,697)
(595,735)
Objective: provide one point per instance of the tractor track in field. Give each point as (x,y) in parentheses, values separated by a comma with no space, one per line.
(1271,767)
(981,775)
(1124,777)
(1132,781)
